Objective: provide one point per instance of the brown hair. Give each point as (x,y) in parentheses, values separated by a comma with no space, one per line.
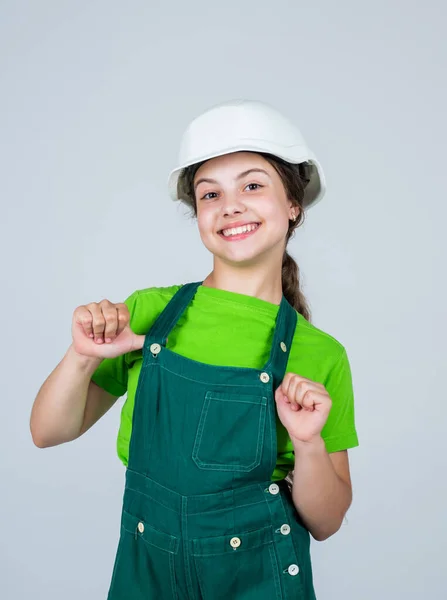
(294,178)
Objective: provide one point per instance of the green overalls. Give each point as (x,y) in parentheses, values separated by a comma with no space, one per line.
(201,518)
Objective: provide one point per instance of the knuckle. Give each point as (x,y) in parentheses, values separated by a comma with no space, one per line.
(81,314)
(105,302)
(91,305)
(308,395)
(109,314)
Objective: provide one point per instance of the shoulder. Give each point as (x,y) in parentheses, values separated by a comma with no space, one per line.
(154,293)
(147,303)
(316,351)
(307,332)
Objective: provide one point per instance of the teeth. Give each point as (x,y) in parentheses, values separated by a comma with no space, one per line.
(239,230)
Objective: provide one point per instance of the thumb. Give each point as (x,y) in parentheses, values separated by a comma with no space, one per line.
(138,341)
(279,396)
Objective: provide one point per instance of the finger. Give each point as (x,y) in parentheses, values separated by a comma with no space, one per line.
(308,399)
(289,389)
(305,386)
(308,395)
(85,319)
(99,321)
(314,397)
(321,400)
(123,317)
(294,388)
(292,377)
(111,320)
(285,385)
(280,397)
(282,401)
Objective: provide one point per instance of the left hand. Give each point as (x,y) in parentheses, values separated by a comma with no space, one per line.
(303,407)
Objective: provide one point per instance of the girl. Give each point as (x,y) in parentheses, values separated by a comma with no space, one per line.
(239,411)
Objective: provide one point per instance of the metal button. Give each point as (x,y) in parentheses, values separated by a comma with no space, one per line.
(273,488)
(293,570)
(265,378)
(283,347)
(285,529)
(155,348)
(140,527)
(235,542)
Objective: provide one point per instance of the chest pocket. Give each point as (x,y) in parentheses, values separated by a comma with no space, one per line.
(230,432)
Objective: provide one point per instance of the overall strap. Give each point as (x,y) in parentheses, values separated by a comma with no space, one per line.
(172,312)
(286,322)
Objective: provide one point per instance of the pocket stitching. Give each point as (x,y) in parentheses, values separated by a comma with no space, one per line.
(254,539)
(234,397)
(267,545)
(275,569)
(199,435)
(173,542)
(200,428)
(173,579)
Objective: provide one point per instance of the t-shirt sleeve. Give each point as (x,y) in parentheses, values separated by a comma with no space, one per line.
(339,432)
(111,374)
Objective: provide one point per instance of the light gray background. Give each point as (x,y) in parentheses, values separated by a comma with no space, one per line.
(94,97)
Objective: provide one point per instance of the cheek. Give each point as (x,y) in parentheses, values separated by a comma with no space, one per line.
(276,216)
(205,222)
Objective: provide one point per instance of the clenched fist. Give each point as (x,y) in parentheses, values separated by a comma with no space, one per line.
(101,330)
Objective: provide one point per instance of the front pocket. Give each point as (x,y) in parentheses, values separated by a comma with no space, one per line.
(144,565)
(248,571)
(230,432)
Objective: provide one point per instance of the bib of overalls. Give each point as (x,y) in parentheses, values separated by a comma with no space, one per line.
(201,518)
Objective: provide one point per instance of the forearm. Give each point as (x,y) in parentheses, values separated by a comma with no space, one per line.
(58,410)
(320,496)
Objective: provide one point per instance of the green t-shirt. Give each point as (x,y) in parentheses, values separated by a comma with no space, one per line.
(230,329)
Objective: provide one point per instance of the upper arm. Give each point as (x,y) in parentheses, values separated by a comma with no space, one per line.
(339,431)
(99,401)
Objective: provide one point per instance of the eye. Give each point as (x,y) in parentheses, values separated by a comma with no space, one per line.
(206,196)
(256,184)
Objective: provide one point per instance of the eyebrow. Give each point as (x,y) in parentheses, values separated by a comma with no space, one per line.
(240,176)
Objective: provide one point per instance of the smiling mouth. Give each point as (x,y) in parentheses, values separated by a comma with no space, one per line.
(242,231)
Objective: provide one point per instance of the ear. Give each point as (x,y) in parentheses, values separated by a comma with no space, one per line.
(294,213)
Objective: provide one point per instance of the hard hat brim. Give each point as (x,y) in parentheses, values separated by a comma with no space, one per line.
(313,193)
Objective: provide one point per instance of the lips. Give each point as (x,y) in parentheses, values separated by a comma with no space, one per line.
(239,228)
(233,233)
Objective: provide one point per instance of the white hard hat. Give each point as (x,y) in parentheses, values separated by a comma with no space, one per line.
(245,125)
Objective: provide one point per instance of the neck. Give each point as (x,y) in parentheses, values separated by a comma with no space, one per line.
(261,281)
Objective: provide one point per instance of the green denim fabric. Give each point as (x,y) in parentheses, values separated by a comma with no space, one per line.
(201,517)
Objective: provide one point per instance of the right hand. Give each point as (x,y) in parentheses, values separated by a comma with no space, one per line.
(96,322)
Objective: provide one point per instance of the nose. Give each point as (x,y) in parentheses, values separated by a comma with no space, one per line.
(232,205)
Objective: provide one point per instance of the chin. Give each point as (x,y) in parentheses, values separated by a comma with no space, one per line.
(236,254)
(240,258)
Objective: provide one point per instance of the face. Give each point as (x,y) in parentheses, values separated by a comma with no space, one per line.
(242,208)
